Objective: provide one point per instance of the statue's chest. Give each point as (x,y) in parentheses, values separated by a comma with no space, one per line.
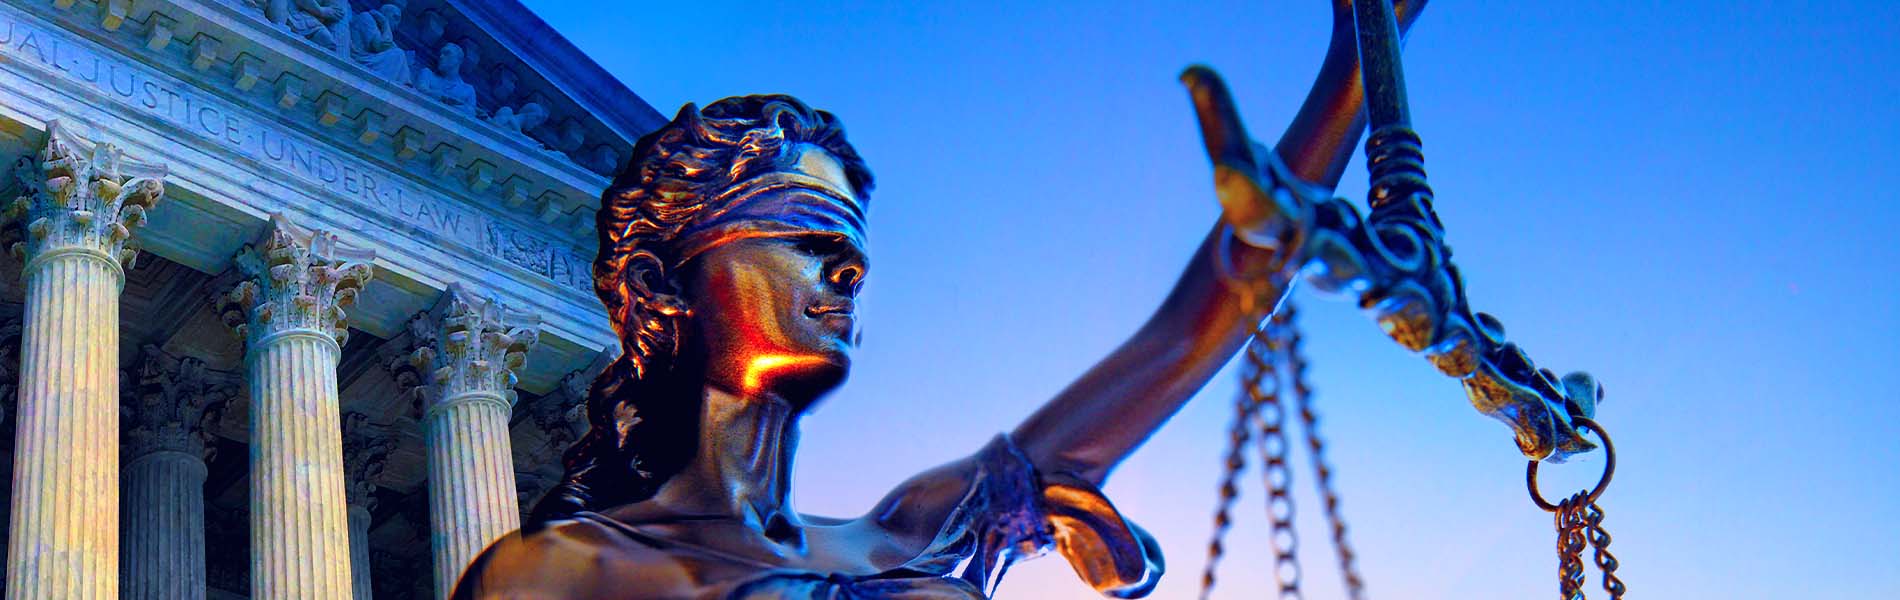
(740,563)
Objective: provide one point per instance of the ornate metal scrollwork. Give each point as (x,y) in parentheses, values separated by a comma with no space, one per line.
(1395,262)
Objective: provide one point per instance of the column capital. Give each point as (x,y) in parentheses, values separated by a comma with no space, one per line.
(469,346)
(562,415)
(366,448)
(296,280)
(168,399)
(84,198)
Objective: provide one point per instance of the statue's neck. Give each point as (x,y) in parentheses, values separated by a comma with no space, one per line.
(743,465)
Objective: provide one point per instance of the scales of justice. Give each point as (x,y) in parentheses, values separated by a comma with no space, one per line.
(731,248)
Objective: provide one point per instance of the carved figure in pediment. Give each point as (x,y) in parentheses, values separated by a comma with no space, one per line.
(443,81)
(522,120)
(323,22)
(275,11)
(373,42)
(602,158)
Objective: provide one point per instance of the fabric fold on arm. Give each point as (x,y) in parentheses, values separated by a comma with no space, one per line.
(1014,513)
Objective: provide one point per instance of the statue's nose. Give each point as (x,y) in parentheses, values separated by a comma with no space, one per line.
(845,278)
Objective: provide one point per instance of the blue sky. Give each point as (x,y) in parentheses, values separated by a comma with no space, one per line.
(1691,200)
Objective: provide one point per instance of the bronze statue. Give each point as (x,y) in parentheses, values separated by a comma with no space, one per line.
(731,247)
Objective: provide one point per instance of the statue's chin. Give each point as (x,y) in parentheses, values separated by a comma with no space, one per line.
(806,390)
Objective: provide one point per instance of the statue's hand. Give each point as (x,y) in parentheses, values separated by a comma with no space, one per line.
(1265,204)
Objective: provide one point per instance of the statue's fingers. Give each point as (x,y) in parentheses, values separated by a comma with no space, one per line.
(1221,129)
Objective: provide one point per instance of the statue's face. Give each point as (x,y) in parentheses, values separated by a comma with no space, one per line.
(533,115)
(776,315)
(449,60)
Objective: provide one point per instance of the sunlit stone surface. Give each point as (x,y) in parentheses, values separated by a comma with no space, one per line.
(290,311)
(155,454)
(79,204)
(470,367)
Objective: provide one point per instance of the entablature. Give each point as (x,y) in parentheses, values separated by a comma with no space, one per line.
(236,158)
(544,166)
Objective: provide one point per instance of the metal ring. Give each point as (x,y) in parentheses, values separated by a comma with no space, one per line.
(1609,467)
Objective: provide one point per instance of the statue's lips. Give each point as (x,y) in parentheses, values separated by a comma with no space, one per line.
(839,317)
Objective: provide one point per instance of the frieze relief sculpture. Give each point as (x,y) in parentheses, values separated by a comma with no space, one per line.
(369,38)
(602,158)
(443,81)
(373,42)
(520,120)
(323,22)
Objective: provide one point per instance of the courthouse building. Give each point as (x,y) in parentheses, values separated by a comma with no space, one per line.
(298,303)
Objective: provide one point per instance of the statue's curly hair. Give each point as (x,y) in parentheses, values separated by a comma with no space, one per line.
(643,409)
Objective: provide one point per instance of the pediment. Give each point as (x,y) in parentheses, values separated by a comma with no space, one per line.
(253,118)
(527,123)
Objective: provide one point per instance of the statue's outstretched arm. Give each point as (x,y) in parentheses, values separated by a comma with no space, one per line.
(1097,420)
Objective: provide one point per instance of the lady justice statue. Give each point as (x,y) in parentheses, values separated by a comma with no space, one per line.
(731,248)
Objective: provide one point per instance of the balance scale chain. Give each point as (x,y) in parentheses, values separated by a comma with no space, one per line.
(1322,472)
(1600,540)
(1570,542)
(1237,437)
(1261,377)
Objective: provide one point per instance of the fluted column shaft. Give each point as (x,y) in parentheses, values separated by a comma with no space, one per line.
(299,535)
(359,552)
(290,311)
(162,527)
(365,448)
(472,498)
(64,541)
(164,536)
(470,346)
(75,215)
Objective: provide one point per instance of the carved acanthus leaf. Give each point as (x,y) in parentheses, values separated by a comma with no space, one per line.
(475,346)
(168,401)
(76,194)
(366,448)
(298,279)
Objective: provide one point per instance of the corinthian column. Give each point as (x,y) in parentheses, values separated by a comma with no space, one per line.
(77,211)
(165,451)
(365,447)
(469,391)
(290,312)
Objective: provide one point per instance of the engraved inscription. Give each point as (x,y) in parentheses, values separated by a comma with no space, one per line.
(219,121)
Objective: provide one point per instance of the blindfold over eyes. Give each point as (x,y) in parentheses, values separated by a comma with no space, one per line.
(777,204)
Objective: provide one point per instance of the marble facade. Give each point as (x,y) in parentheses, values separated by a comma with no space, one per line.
(302,305)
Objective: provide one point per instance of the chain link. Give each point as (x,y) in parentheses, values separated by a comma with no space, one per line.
(1237,437)
(1580,519)
(1322,472)
(1570,542)
(1261,383)
(1600,540)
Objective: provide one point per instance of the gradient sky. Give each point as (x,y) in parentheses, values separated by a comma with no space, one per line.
(1690,200)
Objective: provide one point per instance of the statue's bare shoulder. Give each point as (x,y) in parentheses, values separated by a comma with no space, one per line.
(915,509)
